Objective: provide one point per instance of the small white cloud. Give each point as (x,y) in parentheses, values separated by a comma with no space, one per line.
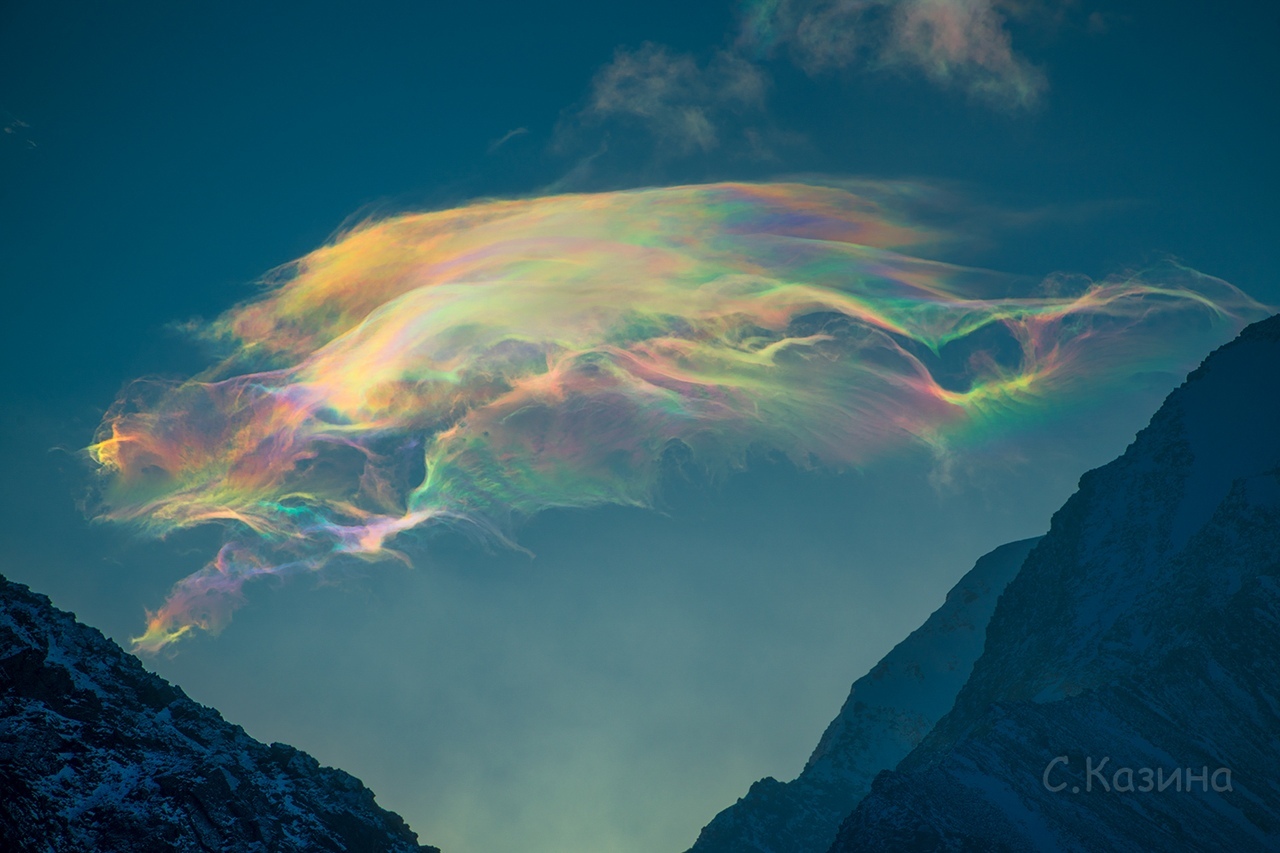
(677,99)
(19,130)
(965,43)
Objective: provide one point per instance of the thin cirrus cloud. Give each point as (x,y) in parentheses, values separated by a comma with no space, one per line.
(507,137)
(19,131)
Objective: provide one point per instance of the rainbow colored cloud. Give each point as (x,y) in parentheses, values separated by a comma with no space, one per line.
(475,366)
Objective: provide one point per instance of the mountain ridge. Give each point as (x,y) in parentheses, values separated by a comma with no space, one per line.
(886,714)
(97,753)
(1142,635)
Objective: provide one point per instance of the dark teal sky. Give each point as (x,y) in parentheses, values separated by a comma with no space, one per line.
(159,157)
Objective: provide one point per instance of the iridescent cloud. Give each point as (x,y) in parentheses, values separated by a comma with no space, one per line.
(475,366)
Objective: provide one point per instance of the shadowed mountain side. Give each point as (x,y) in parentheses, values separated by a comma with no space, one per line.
(888,712)
(98,754)
(1144,629)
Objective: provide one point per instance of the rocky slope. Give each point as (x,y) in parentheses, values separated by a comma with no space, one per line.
(98,754)
(887,713)
(1142,636)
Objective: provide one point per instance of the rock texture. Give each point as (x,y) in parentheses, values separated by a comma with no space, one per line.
(98,754)
(1143,630)
(888,712)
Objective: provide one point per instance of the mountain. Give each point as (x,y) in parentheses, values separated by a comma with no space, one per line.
(888,712)
(98,754)
(1128,696)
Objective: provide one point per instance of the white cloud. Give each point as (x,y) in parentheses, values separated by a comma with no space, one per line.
(964,43)
(678,100)
(686,106)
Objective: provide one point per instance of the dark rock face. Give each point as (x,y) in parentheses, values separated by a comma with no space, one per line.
(98,754)
(1143,631)
(888,712)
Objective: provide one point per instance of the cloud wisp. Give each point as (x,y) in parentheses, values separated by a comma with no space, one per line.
(478,365)
(678,100)
(507,137)
(688,106)
(964,43)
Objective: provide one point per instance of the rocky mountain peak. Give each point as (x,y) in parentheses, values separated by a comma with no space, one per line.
(98,754)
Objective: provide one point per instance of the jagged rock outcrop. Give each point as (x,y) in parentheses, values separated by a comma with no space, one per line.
(97,754)
(888,712)
(1144,632)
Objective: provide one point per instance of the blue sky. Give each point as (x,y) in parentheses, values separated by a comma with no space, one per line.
(158,157)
